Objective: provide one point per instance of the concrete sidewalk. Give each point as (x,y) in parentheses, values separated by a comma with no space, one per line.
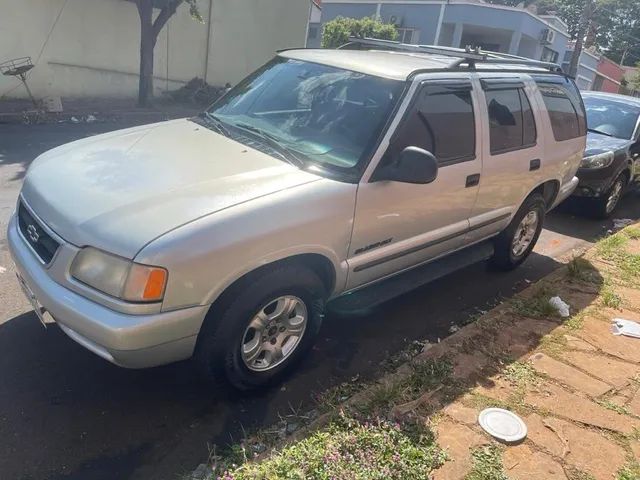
(575,385)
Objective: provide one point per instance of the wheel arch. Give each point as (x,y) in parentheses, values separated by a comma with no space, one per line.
(316,262)
(549,191)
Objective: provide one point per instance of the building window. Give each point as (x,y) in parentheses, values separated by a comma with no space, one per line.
(313,32)
(511,122)
(408,35)
(565,109)
(549,55)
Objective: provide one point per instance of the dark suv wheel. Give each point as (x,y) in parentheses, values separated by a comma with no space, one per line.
(604,206)
(515,243)
(264,330)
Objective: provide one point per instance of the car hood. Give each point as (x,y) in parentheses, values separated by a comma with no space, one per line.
(597,143)
(121,190)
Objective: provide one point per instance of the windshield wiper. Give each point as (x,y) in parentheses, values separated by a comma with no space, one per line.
(216,123)
(595,130)
(274,142)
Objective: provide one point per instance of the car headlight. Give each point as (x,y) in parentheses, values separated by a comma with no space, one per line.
(600,160)
(119,277)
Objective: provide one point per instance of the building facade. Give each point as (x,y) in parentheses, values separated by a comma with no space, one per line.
(458,23)
(91,47)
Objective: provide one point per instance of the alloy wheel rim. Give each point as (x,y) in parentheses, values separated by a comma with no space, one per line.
(614,196)
(524,233)
(274,333)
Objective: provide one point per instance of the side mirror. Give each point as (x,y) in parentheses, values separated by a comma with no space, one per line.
(414,165)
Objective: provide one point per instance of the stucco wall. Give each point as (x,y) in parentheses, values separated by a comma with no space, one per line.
(94,48)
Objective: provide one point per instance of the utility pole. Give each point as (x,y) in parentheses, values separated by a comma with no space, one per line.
(585,21)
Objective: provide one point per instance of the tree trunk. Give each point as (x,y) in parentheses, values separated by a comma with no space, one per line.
(147,44)
(585,21)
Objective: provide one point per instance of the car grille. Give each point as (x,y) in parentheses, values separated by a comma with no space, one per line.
(39,240)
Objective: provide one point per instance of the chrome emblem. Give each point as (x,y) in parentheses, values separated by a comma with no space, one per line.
(32,232)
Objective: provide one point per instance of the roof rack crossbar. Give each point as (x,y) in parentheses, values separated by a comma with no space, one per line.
(464,56)
(406,47)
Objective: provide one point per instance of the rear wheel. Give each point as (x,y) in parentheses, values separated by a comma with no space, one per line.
(607,203)
(515,243)
(264,330)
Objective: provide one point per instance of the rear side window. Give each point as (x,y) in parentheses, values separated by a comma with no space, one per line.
(511,122)
(442,122)
(566,111)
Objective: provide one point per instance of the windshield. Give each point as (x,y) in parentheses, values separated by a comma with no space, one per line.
(323,116)
(611,117)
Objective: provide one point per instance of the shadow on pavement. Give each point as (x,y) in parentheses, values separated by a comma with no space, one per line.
(67,414)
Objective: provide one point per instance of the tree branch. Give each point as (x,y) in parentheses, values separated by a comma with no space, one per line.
(165,14)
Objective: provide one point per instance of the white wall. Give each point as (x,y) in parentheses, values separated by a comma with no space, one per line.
(94,48)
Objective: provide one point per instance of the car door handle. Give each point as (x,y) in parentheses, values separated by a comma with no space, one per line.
(472,180)
(534,164)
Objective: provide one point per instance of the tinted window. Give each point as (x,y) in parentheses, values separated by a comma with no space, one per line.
(511,122)
(442,122)
(565,109)
(612,117)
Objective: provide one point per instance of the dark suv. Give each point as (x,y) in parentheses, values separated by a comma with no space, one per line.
(612,159)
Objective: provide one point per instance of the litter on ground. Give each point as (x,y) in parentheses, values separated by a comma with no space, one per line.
(502,424)
(620,326)
(620,223)
(560,305)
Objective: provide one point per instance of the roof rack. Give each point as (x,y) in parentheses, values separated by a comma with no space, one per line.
(466,56)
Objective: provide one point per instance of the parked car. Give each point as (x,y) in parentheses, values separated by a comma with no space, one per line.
(611,161)
(222,237)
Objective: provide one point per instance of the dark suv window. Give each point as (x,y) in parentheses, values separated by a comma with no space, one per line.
(442,122)
(563,102)
(511,122)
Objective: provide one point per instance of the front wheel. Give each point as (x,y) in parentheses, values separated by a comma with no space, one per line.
(607,203)
(515,243)
(264,331)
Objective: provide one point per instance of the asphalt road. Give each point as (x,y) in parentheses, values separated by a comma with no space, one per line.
(67,414)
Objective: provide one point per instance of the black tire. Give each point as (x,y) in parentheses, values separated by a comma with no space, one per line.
(218,350)
(503,257)
(599,206)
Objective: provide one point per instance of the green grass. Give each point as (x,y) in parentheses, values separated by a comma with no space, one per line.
(633,233)
(609,297)
(609,247)
(521,374)
(487,464)
(581,270)
(609,405)
(535,306)
(351,449)
(631,471)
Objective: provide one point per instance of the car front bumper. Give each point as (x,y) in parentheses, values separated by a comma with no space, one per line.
(132,341)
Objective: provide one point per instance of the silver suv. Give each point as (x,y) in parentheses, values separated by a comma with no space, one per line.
(222,237)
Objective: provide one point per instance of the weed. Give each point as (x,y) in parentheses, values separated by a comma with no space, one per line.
(630,471)
(633,233)
(487,464)
(581,270)
(609,297)
(609,247)
(576,321)
(535,306)
(609,405)
(575,474)
(350,448)
(521,374)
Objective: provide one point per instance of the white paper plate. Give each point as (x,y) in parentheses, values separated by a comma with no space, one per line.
(502,424)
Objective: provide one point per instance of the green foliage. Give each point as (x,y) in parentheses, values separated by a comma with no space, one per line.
(337,32)
(352,449)
(634,81)
(615,24)
(487,464)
